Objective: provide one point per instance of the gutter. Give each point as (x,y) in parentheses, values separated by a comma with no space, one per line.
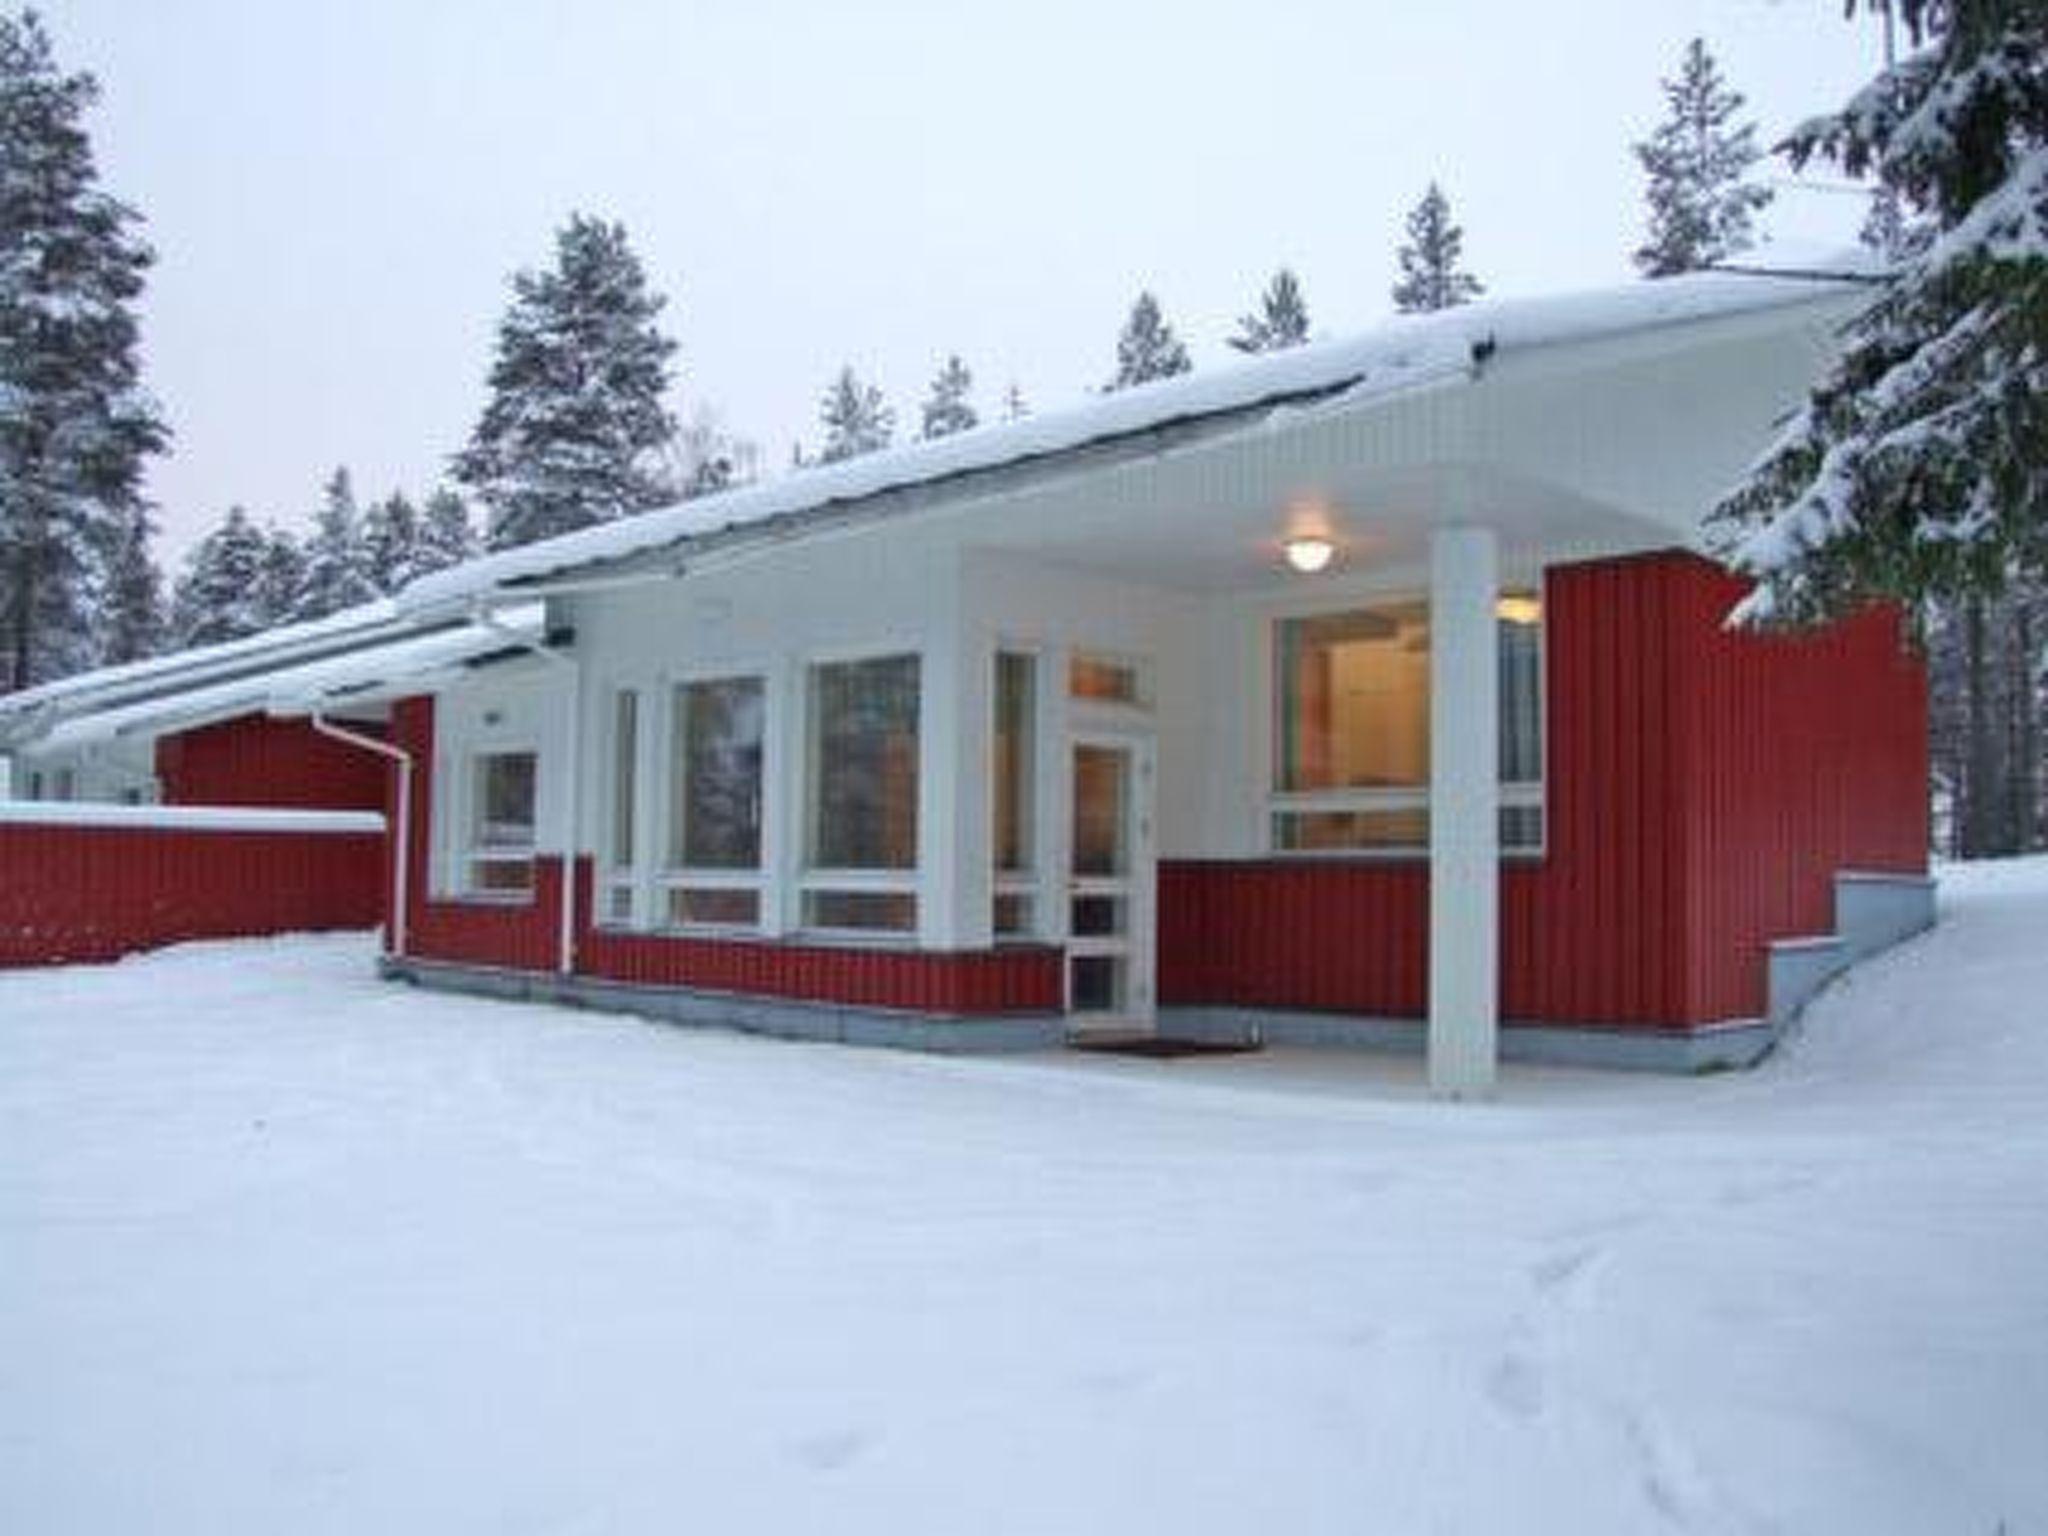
(401,860)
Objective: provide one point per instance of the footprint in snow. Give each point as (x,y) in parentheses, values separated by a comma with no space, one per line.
(829,1452)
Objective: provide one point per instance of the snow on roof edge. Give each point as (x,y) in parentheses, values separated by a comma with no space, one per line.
(1404,346)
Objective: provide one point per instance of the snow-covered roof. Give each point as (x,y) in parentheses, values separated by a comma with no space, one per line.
(33,712)
(1406,352)
(357,676)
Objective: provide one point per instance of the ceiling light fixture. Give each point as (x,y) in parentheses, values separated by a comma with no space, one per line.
(1309,553)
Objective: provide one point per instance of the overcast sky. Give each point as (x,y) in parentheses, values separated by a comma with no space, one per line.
(338,192)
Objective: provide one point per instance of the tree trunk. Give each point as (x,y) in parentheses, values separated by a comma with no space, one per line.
(1980,808)
(2025,768)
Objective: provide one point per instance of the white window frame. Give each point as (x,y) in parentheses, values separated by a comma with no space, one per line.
(1029,882)
(670,878)
(468,852)
(809,879)
(1514,794)
(612,876)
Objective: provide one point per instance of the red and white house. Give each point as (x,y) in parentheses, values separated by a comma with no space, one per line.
(1059,726)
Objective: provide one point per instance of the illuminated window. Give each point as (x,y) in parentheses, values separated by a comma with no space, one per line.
(1351,729)
(1014,788)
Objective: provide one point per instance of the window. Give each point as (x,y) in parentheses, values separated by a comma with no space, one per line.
(713,875)
(1351,729)
(1013,790)
(502,818)
(1097,679)
(861,826)
(619,864)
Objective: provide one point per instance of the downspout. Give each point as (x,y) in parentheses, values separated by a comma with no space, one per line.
(401,861)
(565,962)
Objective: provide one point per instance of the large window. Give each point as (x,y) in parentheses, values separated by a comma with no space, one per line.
(1351,729)
(861,823)
(1013,788)
(503,797)
(714,875)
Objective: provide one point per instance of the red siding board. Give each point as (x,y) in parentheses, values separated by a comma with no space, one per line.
(93,893)
(1703,788)
(256,761)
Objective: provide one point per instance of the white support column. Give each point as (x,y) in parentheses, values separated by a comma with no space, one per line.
(1464,813)
(954,728)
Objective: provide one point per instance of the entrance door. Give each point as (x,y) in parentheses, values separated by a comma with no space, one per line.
(1109,887)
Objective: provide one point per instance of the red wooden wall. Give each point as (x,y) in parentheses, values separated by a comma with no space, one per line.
(1703,787)
(255,760)
(71,893)
(526,936)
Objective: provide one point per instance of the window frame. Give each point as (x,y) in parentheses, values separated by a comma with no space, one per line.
(1519,794)
(469,853)
(808,879)
(1027,883)
(671,879)
(613,877)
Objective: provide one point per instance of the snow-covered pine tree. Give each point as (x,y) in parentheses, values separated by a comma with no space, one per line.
(572,432)
(1015,406)
(1431,275)
(132,626)
(337,569)
(283,574)
(390,540)
(219,597)
(705,459)
(75,423)
(1147,349)
(1703,205)
(1280,321)
(446,535)
(1919,465)
(856,418)
(948,409)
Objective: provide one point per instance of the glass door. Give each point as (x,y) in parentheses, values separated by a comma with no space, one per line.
(1109,887)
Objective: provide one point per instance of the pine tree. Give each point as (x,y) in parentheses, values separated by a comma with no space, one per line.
(1148,348)
(1431,277)
(133,626)
(1919,465)
(1280,321)
(948,409)
(1015,407)
(1702,204)
(856,419)
(219,596)
(390,542)
(706,459)
(446,535)
(575,422)
(282,573)
(75,423)
(337,569)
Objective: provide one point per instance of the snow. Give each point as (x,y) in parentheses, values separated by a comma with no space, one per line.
(185,818)
(290,1249)
(1408,350)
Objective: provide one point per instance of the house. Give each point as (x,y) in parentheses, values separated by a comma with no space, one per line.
(1376,691)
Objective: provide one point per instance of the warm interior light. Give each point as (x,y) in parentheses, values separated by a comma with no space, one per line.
(1519,608)
(1309,553)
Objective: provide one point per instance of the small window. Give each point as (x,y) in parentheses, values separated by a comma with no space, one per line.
(1099,679)
(713,875)
(1014,789)
(861,833)
(503,818)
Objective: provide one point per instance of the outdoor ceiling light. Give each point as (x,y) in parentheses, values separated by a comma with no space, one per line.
(1309,553)
(1519,608)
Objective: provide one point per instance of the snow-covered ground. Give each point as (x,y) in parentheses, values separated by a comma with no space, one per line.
(284,1249)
